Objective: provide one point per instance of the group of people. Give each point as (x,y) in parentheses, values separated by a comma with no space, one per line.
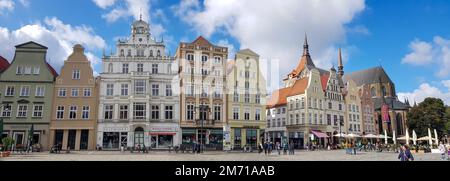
(268,147)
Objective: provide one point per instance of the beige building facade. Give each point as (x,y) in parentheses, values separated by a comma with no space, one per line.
(75,104)
(202,84)
(246,100)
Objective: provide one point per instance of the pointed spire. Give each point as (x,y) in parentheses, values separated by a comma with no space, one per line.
(306,46)
(140,14)
(341,64)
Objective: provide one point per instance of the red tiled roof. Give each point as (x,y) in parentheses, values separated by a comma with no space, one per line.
(52,70)
(299,87)
(324,79)
(278,98)
(201,41)
(4,64)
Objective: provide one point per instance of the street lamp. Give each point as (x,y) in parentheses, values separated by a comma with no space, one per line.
(204,109)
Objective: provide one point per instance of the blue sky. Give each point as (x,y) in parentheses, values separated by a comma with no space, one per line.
(409,38)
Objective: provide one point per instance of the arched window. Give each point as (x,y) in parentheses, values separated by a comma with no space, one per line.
(122,53)
(110,68)
(373,92)
(151,53)
(399,124)
(158,53)
(383,90)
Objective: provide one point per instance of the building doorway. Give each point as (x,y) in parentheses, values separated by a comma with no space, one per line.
(139,137)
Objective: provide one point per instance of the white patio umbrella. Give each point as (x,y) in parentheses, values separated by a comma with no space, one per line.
(370,136)
(407,136)
(414,137)
(340,135)
(425,138)
(436,137)
(430,139)
(351,135)
(393,137)
(385,137)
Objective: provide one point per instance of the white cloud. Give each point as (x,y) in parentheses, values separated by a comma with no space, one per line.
(57,36)
(25,3)
(275,29)
(422,53)
(359,29)
(104,3)
(436,52)
(426,90)
(6,5)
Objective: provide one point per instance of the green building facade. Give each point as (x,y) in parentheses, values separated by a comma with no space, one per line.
(26,89)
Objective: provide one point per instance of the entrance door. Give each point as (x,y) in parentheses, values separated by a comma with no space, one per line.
(19,138)
(139,137)
(71,139)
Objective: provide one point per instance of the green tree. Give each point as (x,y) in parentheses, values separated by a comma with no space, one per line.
(447,124)
(431,113)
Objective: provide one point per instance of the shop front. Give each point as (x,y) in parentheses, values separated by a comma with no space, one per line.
(211,138)
(22,136)
(297,139)
(112,136)
(164,137)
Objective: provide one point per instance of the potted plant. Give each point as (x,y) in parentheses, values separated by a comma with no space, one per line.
(7,143)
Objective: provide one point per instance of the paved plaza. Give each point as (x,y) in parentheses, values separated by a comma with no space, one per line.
(338,155)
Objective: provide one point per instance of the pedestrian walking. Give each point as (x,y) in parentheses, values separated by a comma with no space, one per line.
(266,147)
(443,151)
(405,154)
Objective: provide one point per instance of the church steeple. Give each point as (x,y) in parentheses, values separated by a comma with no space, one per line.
(306,46)
(341,64)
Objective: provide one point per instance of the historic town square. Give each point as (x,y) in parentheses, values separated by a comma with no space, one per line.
(224,80)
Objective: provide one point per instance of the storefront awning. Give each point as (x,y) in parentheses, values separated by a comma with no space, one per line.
(162,133)
(319,134)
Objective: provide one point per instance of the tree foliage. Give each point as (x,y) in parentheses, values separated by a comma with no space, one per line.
(431,113)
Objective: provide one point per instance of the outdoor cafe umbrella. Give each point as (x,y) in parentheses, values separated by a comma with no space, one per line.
(385,137)
(370,136)
(393,138)
(340,135)
(414,137)
(351,135)
(407,136)
(425,138)
(430,138)
(436,137)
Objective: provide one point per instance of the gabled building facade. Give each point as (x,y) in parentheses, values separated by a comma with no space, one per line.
(203,101)
(27,89)
(354,123)
(75,104)
(246,100)
(138,94)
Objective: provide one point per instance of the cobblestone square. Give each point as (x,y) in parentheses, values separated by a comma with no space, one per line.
(337,155)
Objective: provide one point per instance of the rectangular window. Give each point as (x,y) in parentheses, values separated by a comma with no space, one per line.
(60,112)
(124,90)
(297,119)
(329,119)
(36,70)
(123,114)
(140,67)
(154,68)
(74,92)
(169,113)
(258,99)
(25,91)
(247,114)
(40,91)
(85,114)
(190,112)
(73,112)
(257,114)
(76,74)
(217,112)
(140,87)
(9,91)
(28,70)
(155,112)
(310,118)
(236,113)
(168,90)
(125,68)
(37,111)
(108,112)
(19,70)
(335,120)
(247,97)
(236,96)
(22,111)
(62,92)
(87,92)
(303,118)
(139,110)
(155,90)
(110,89)
(6,111)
